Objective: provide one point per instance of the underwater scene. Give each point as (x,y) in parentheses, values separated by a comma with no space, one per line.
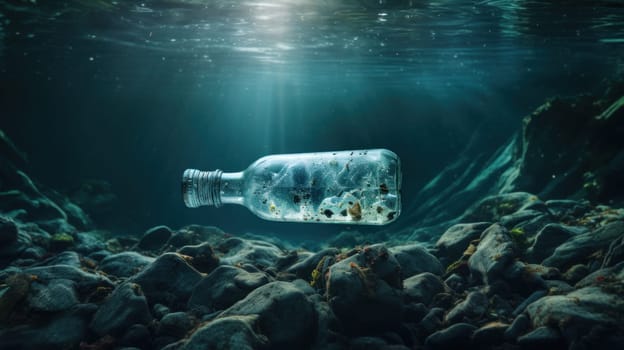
(311,174)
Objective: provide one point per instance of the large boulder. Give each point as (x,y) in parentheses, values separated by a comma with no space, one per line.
(223,287)
(232,332)
(493,208)
(423,287)
(472,308)
(415,259)
(549,238)
(125,264)
(203,257)
(155,238)
(124,307)
(85,281)
(454,241)
(580,311)
(454,337)
(64,331)
(56,295)
(168,280)
(365,290)
(579,247)
(285,315)
(495,252)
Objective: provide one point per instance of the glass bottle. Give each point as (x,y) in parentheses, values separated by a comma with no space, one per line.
(350,187)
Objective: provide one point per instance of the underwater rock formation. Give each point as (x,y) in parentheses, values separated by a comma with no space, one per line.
(570,147)
(503,267)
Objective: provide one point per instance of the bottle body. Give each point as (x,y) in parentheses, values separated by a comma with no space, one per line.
(351,187)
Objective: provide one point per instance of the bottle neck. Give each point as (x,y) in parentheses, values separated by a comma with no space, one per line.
(211,188)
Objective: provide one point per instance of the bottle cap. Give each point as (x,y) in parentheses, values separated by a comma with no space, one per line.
(201,188)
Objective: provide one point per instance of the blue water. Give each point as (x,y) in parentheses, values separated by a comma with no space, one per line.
(134,92)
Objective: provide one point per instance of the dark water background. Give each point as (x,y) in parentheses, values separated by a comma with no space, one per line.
(134,92)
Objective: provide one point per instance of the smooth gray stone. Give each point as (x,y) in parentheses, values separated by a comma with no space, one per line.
(57,295)
(286,316)
(423,287)
(473,307)
(495,252)
(168,280)
(125,264)
(415,259)
(457,335)
(455,240)
(124,307)
(232,332)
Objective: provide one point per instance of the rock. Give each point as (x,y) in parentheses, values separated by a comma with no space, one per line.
(61,241)
(88,242)
(233,332)
(13,289)
(456,283)
(518,327)
(575,273)
(454,241)
(155,238)
(70,258)
(84,281)
(367,343)
(533,297)
(8,231)
(581,310)
(415,259)
(159,311)
(58,225)
(100,255)
(473,307)
(580,246)
(223,287)
(57,295)
(555,287)
(202,234)
(64,331)
(364,290)
(423,287)
(303,269)
(530,227)
(10,251)
(203,257)
(526,278)
(494,253)
(36,206)
(492,208)
(520,217)
(490,334)
(258,253)
(500,307)
(549,238)
(175,324)
(455,336)
(326,326)
(125,264)
(75,215)
(137,336)
(567,209)
(285,315)
(168,280)
(615,253)
(432,320)
(604,276)
(542,338)
(125,306)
